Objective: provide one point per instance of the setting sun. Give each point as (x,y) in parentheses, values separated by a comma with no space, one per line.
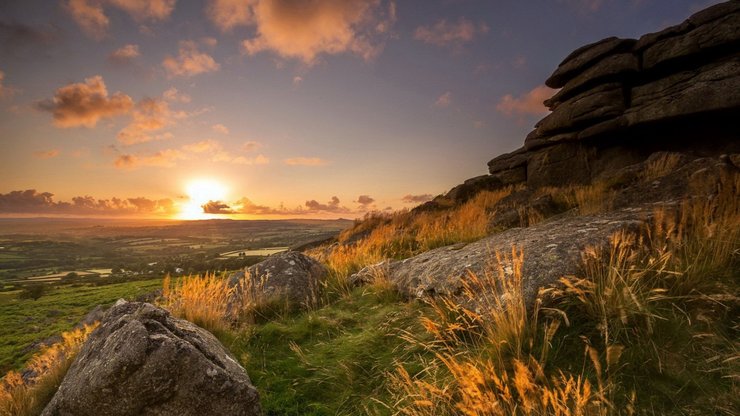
(199,193)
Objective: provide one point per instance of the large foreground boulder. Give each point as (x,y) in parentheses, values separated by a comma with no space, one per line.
(290,274)
(142,361)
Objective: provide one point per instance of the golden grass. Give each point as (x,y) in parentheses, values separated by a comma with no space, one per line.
(402,235)
(19,397)
(490,356)
(661,166)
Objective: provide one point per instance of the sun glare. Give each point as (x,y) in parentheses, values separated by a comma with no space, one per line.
(200,192)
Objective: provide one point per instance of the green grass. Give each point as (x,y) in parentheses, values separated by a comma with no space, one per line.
(333,360)
(24,321)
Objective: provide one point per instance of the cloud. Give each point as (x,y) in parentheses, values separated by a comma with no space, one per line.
(304,30)
(90,14)
(142,10)
(444,100)
(417,199)
(305,161)
(204,150)
(297,80)
(365,200)
(189,62)
(31,201)
(228,14)
(220,128)
(528,103)
(6,91)
(173,95)
(444,33)
(149,115)
(83,104)
(164,158)
(251,146)
(217,207)
(46,154)
(125,54)
(331,206)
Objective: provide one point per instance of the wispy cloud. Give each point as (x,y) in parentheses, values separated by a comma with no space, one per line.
(149,116)
(444,100)
(228,14)
(125,54)
(83,104)
(46,154)
(174,95)
(6,91)
(189,62)
(220,128)
(91,17)
(305,161)
(455,34)
(530,103)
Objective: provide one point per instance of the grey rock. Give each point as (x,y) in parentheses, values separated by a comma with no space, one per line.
(713,87)
(585,56)
(551,250)
(142,361)
(723,32)
(612,68)
(290,274)
(604,102)
(560,164)
(508,161)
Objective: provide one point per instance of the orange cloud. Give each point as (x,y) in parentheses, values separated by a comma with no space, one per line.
(528,103)
(202,146)
(150,115)
(217,207)
(174,95)
(444,100)
(305,29)
(124,54)
(251,146)
(83,104)
(90,14)
(444,33)
(189,62)
(365,200)
(331,206)
(228,14)
(32,202)
(305,161)
(417,199)
(220,128)
(46,154)
(163,158)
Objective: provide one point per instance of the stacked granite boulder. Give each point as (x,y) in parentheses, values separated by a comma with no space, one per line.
(622,99)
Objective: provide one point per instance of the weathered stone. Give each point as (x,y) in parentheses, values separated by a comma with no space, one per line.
(724,32)
(603,102)
(611,68)
(142,361)
(585,56)
(508,161)
(512,176)
(291,274)
(560,164)
(551,250)
(713,87)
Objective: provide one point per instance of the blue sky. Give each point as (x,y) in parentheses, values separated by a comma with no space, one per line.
(278,105)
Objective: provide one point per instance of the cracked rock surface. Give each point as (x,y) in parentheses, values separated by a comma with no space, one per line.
(143,361)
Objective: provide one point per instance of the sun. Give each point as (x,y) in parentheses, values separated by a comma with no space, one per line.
(199,193)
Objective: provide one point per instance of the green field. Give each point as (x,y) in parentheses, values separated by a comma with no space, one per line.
(25,321)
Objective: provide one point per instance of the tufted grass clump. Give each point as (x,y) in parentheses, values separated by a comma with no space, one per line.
(28,396)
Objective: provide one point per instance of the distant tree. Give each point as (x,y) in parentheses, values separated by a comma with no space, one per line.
(33,292)
(69,277)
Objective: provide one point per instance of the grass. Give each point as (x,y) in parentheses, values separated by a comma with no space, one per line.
(27,397)
(25,321)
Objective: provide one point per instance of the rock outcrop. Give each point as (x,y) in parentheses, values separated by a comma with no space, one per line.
(290,274)
(551,250)
(142,361)
(621,100)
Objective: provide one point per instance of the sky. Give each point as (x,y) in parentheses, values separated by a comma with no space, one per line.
(277,108)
